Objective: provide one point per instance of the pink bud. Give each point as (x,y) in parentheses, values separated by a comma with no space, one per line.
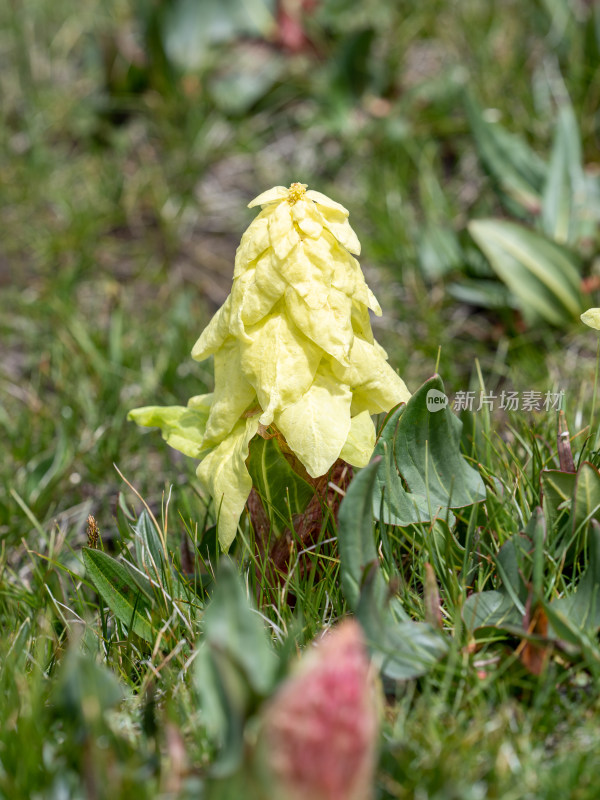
(320,728)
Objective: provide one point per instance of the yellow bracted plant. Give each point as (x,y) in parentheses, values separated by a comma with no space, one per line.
(293,354)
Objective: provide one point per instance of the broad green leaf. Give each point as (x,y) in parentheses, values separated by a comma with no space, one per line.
(427,451)
(491,609)
(542,275)
(358,447)
(582,608)
(403,649)
(84,689)
(182,428)
(557,491)
(245,78)
(591,317)
(514,565)
(123,597)
(356,538)
(235,631)
(235,665)
(283,492)
(481,292)
(316,426)
(426,446)
(217,715)
(224,475)
(505,607)
(392,504)
(519,564)
(516,168)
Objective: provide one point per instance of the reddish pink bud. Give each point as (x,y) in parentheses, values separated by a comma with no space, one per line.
(320,728)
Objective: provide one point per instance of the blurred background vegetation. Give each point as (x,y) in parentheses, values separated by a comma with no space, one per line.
(134,133)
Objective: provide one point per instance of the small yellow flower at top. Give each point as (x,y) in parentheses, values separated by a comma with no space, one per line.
(296,192)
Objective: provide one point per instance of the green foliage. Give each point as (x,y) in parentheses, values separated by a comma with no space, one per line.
(113,581)
(566,531)
(420,450)
(282,491)
(543,276)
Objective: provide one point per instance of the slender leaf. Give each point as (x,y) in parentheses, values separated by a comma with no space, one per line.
(149,548)
(515,167)
(565,186)
(356,538)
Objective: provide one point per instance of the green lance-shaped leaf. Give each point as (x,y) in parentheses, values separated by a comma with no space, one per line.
(518,171)
(356,539)
(426,447)
(557,490)
(121,594)
(149,548)
(542,275)
(565,190)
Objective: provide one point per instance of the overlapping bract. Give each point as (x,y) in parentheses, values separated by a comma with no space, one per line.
(293,348)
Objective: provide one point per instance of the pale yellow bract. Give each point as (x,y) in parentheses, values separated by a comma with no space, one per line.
(293,349)
(591,317)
